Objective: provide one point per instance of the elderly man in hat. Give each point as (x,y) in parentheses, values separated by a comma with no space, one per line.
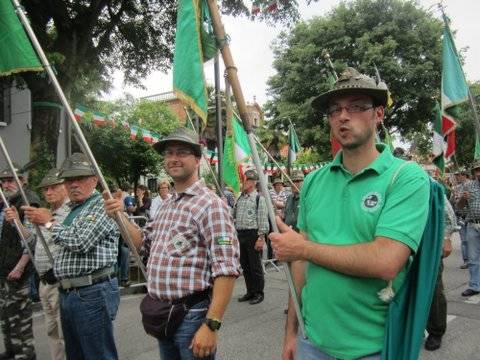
(361,217)
(193,253)
(470,199)
(15,270)
(87,241)
(55,194)
(251,222)
(292,204)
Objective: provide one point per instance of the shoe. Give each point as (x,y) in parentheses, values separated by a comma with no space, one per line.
(245,297)
(7,356)
(257,299)
(470,292)
(125,283)
(464,266)
(285,311)
(433,343)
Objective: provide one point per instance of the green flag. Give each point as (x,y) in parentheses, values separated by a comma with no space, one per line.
(293,143)
(194,44)
(229,165)
(16,54)
(477,148)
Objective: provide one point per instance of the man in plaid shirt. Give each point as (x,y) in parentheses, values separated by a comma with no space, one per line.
(87,242)
(192,250)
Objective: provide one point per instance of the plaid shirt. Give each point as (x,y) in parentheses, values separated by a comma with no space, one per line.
(246,215)
(190,242)
(89,244)
(473,204)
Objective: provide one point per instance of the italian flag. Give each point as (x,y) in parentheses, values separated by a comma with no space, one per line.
(133,132)
(99,119)
(454,92)
(79,112)
(237,154)
(147,136)
(256,7)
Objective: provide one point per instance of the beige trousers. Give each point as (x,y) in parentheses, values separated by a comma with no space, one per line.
(51,308)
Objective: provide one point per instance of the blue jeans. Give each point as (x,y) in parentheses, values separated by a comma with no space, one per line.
(177,348)
(307,351)
(123,263)
(86,315)
(473,247)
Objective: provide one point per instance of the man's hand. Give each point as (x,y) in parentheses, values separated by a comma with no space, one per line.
(288,245)
(447,247)
(289,346)
(466,195)
(260,243)
(39,216)
(112,205)
(204,342)
(11,214)
(15,274)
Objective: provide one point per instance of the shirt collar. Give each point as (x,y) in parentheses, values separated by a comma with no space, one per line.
(379,165)
(195,189)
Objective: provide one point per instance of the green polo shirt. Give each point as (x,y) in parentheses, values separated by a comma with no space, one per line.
(343,315)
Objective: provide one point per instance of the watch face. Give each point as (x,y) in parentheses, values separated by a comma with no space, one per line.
(213,324)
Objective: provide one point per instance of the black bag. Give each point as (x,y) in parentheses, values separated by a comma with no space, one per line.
(161,318)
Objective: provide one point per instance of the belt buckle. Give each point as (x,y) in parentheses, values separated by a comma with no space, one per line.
(66,284)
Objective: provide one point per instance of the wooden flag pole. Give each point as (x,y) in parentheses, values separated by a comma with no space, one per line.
(78,132)
(247,124)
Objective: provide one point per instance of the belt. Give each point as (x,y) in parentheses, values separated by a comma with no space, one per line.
(194,298)
(87,280)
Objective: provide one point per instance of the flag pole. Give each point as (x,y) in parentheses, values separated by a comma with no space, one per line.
(78,131)
(26,202)
(218,119)
(20,233)
(244,115)
(276,163)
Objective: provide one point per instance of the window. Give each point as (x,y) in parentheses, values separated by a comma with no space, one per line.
(4,102)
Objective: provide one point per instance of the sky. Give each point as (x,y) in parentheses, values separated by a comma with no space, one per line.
(250,47)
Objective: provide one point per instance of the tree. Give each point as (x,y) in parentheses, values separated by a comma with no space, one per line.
(399,37)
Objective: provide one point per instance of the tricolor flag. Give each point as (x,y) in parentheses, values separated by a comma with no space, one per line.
(272,5)
(256,7)
(99,119)
(237,154)
(133,132)
(454,92)
(293,144)
(79,112)
(16,52)
(147,136)
(193,40)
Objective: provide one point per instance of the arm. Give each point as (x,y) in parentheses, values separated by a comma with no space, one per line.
(11,215)
(291,325)
(18,270)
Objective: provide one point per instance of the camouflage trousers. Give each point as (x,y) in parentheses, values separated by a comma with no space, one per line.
(16,320)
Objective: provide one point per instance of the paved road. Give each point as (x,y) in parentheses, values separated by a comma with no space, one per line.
(255,332)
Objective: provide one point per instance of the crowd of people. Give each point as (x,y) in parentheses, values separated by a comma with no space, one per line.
(349,230)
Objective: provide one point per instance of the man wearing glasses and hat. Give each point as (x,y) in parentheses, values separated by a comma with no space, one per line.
(193,252)
(361,218)
(470,198)
(87,241)
(15,271)
(55,194)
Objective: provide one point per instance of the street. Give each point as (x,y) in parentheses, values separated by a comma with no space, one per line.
(255,332)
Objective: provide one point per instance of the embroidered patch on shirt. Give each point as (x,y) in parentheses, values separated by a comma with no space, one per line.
(371,201)
(179,242)
(223,241)
(91,218)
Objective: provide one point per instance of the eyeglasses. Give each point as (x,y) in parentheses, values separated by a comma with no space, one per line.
(335,111)
(178,152)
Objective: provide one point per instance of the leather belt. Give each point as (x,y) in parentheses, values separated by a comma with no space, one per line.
(87,280)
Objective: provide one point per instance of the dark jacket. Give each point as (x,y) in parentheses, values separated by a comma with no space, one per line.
(11,248)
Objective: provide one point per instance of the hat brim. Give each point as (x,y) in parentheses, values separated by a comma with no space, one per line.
(320,103)
(76,173)
(50,183)
(162,144)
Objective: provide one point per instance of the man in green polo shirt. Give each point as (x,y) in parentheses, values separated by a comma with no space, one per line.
(361,218)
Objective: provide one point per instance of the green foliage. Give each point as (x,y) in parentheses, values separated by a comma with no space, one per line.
(121,158)
(399,37)
(308,156)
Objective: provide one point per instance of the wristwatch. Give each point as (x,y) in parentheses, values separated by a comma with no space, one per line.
(213,324)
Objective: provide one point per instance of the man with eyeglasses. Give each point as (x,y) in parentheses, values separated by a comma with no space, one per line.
(193,251)
(361,218)
(87,242)
(15,271)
